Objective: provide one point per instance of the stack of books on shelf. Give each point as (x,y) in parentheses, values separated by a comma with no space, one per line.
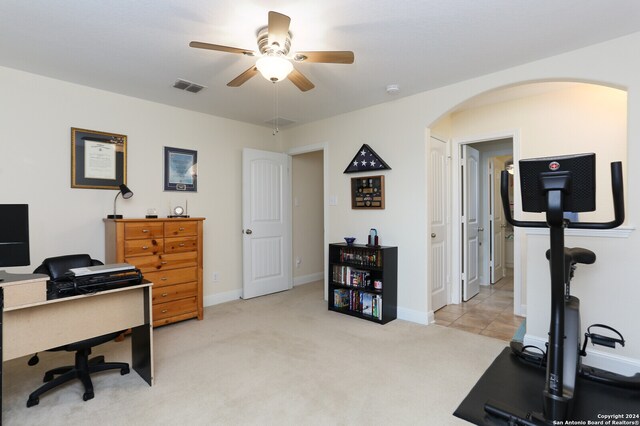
(358,301)
(352,277)
(362,257)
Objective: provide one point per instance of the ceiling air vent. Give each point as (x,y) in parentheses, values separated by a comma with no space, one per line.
(187,85)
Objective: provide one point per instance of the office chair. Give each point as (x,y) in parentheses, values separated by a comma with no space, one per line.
(56,267)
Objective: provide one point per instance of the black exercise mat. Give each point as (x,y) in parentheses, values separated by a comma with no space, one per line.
(511,382)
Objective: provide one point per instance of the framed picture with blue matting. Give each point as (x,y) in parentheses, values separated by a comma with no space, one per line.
(180,169)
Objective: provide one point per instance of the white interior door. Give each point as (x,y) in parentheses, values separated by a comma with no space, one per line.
(266,222)
(497,222)
(438,202)
(470,222)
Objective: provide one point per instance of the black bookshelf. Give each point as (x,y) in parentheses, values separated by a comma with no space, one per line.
(353,271)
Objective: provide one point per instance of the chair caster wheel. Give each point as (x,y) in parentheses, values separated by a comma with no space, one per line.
(124,371)
(33,401)
(87,396)
(48,376)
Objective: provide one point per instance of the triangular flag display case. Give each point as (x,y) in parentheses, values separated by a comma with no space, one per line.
(366,160)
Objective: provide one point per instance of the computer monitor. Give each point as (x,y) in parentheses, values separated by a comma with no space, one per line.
(14,235)
(578,171)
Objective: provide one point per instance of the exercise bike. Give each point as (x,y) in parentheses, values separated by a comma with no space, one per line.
(556,185)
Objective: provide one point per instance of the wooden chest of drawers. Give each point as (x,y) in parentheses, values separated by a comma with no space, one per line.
(168,252)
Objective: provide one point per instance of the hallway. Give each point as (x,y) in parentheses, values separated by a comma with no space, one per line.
(489,313)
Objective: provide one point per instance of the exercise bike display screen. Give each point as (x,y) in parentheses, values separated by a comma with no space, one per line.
(580,190)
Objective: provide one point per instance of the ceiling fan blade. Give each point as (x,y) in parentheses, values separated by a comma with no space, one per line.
(278,28)
(242,78)
(301,82)
(330,57)
(201,45)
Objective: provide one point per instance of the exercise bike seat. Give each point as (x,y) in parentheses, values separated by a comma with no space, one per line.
(573,255)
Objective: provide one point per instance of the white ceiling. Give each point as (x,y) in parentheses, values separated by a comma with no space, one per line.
(139,48)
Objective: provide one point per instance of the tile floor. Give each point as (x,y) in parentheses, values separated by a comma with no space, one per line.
(489,313)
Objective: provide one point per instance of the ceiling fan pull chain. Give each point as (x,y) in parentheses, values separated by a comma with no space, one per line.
(275,102)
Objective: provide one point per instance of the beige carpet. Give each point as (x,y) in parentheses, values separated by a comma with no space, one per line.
(278,359)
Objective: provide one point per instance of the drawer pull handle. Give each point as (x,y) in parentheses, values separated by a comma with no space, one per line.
(145,231)
(181,245)
(164,311)
(145,247)
(163,262)
(163,279)
(165,294)
(181,229)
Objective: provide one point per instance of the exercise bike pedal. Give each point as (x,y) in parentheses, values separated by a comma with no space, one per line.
(599,339)
(524,354)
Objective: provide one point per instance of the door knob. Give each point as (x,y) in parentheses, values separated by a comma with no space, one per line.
(480,229)
(248,232)
(433,235)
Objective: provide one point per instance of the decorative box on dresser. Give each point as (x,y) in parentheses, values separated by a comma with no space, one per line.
(168,252)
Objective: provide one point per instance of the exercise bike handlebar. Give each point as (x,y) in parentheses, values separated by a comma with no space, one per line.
(618,204)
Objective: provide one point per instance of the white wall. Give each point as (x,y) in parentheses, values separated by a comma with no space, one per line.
(36,115)
(400,143)
(583,118)
(398,131)
(308,217)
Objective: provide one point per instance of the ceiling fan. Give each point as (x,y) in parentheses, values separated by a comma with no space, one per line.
(274,44)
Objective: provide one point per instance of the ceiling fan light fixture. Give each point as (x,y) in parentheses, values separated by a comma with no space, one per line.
(274,68)
(275,63)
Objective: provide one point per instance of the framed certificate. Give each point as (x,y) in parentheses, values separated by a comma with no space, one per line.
(98,159)
(180,169)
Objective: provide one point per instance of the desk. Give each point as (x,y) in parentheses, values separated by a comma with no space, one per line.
(30,323)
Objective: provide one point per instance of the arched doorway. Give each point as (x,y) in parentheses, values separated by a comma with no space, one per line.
(549,118)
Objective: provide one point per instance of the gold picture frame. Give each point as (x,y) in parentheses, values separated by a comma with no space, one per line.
(98,159)
(367,192)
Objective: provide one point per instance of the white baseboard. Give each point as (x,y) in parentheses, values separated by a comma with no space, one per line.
(403,313)
(306,279)
(228,296)
(604,360)
(411,315)
(216,299)
(431,317)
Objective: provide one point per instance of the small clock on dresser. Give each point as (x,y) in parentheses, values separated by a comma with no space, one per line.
(178,211)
